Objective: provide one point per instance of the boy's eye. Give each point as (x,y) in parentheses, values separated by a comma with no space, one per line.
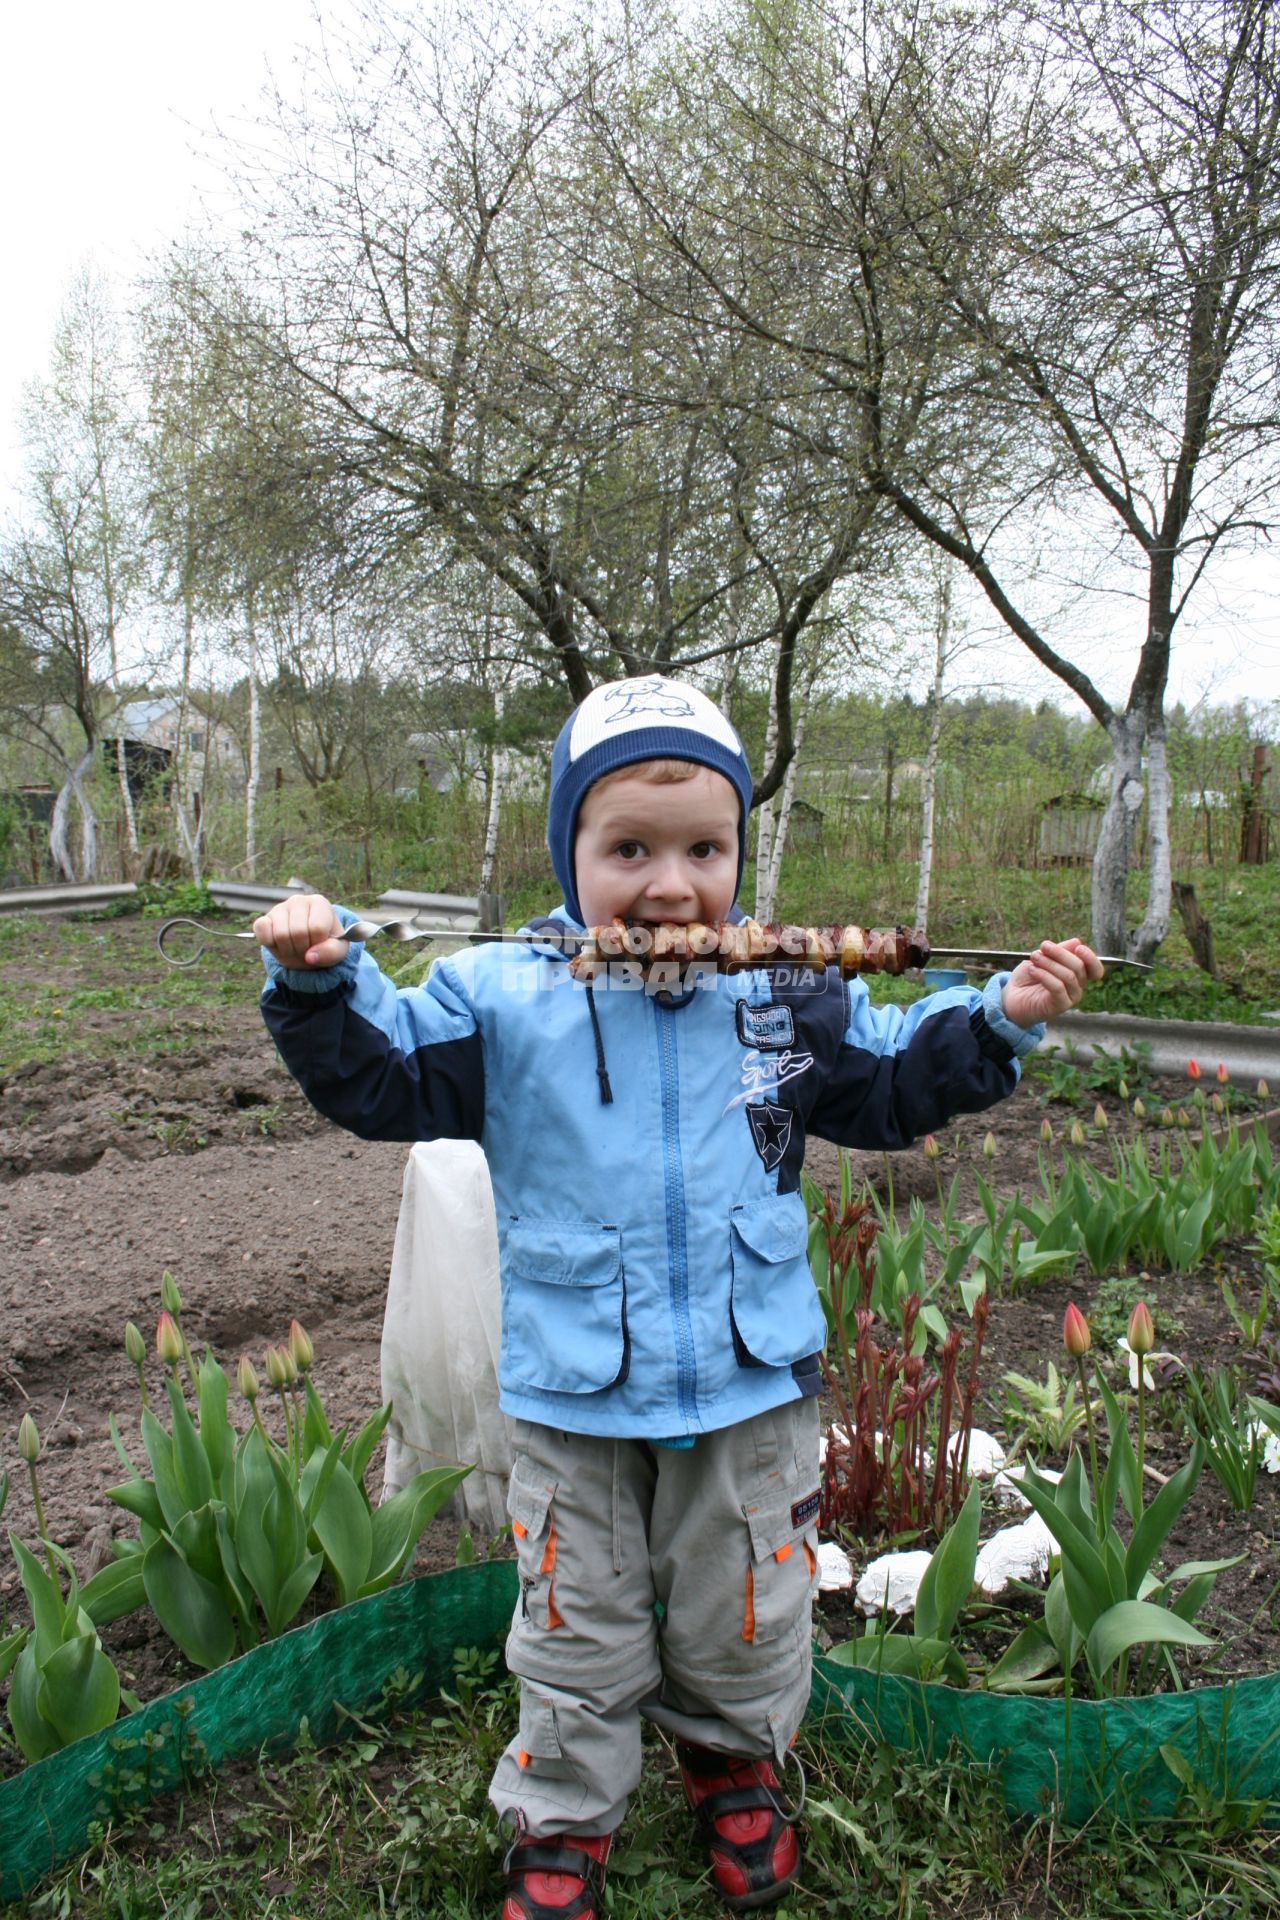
(704,849)
(628,849)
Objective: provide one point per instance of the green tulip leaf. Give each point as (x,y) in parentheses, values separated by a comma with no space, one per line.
(398,1522)
(357,1456)
(190,1461)
(344,1531)
(234,1580)
(114,1590)
(1157,1522)
(79,1689)
(296,1588)
(1029,1656)
(948,1578)
(217,1436)
(10,1647)
(315,1426)
(44,1597)
(190,1608)
(31,1730)
(159,1448)
(139,1497)
(1137,1623)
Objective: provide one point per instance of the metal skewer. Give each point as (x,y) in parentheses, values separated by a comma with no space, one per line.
(563,938)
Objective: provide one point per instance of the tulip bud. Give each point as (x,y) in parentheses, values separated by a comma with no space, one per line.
(1139,1111)
(1184,1118)
(989,1147)
(289,1364)
(1123,1089)
(274,1359)
(1221,1075)
(134,1345)
(1193,1070)
(1046,1133)
(932,1151)
(300,1340)
(1076,1337)
(1076,1136)
(1142,1333)
(246,1379)
(168,1340)
(1166,1116)
(1217,1102)
(170,1298)
(1100,1117)
(28,1440)
(1262,1090)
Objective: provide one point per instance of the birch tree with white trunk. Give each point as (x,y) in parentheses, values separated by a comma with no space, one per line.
(933,743)
(72,561)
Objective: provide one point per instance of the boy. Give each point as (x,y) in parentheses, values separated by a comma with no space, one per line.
(660,1327)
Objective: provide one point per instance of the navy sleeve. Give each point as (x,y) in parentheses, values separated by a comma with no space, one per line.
(899,1072)
(386,1063)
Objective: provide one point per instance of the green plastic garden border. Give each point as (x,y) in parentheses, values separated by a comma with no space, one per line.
(1229,1737)
(1076,1759)
(341,1659)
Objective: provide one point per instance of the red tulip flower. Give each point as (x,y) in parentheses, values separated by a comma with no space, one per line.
(1076,1337)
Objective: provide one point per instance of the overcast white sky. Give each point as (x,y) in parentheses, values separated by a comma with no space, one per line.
(103,113)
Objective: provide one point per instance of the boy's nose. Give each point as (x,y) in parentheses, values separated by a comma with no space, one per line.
(668,878)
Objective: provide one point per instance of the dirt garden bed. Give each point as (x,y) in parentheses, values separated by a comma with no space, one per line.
(161,1133)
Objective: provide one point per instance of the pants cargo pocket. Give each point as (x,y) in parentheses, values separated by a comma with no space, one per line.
(782,1563)
(529,1497)
(541,1755)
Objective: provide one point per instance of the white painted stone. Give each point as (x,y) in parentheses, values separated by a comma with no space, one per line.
(986,1455)
(835,1571)
(1019,1552)
(1009,1493)
(893,1580)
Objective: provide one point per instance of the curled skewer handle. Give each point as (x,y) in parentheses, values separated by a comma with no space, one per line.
(165,935)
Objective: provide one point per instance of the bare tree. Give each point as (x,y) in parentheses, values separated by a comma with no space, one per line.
(447,259)
(71,566)
(1114,277)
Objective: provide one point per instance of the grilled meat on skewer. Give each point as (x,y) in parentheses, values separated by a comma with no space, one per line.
(733,947)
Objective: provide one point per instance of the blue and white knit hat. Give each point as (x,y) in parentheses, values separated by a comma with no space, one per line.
(629,720)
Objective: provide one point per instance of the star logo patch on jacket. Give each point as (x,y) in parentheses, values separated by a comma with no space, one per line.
(770,1126)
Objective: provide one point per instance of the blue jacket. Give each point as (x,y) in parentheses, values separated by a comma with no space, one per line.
(645,1151)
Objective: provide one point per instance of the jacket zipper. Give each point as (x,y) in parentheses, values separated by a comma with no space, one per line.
(677,1243)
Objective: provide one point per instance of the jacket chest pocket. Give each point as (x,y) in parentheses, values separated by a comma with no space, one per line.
(564,1310)
(777,1316)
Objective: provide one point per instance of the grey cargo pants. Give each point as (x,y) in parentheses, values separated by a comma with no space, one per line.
(671,1583)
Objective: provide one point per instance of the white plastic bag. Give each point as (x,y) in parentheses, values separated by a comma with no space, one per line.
(441,1332)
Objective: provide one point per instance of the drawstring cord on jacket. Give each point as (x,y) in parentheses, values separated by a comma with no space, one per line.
(602,1071)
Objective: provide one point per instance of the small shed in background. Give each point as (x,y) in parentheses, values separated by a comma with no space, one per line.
(1069,826)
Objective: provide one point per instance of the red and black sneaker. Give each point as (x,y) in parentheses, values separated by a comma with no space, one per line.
(559,1878)
(748,1829)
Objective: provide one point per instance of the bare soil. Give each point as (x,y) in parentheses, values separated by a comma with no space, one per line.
(202,1158)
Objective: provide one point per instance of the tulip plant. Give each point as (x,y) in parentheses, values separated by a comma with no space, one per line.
(1106,1600)
(63,1683)
(235,1529)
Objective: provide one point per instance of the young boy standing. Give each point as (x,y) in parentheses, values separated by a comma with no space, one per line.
(660,1328)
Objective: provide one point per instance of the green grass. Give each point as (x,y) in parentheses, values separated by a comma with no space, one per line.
(396,1821)
(1015,907)
(56,975)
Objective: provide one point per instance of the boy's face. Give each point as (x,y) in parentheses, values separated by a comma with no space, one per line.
(652,851)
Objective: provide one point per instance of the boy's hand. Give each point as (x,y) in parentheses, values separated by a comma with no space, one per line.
(1050,981)
(302,931)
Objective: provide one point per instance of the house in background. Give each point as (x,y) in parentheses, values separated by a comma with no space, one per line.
(206,751)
